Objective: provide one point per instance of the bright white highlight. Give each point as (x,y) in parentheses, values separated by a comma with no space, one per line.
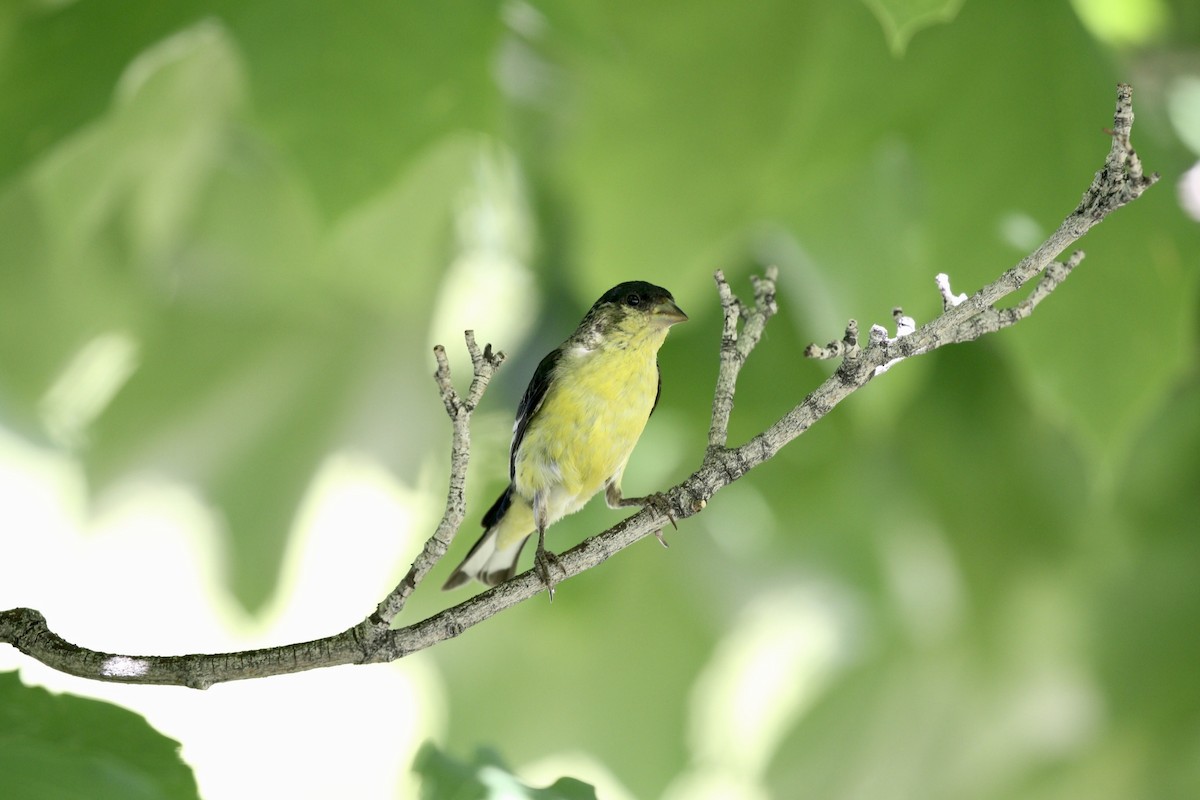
(86,386)
(124,667)
(925,581)
(775,661)
(1020,231)
(101,578)
(488,287)
(1189,192)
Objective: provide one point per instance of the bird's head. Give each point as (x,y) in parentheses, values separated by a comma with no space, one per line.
(631,313)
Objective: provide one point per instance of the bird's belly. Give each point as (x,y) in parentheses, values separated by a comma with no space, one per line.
(586,429)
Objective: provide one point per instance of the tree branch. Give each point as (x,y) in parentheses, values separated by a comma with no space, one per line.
(964,319)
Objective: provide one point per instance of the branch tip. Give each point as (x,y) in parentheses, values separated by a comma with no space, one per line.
(736,344)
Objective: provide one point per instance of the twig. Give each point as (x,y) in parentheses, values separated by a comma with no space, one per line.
(735,348)
(964,318)
(485,364)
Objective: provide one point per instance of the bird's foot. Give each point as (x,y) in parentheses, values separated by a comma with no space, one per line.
(659,502)
(544,562)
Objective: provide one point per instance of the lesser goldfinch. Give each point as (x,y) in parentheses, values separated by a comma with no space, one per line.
(577,424)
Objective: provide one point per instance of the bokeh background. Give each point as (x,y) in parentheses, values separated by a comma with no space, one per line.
(231,232)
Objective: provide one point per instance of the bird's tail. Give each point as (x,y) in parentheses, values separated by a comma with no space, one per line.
(493,559)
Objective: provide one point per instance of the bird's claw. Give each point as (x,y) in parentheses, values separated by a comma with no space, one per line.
(543,563)
(659,502)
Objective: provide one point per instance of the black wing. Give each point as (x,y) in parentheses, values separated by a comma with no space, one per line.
(494,515)
(531,401)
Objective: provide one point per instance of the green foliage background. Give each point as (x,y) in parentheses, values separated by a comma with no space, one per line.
(266,197)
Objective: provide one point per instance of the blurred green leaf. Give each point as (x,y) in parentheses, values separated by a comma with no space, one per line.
(381,252)
(1081,365)
(903,19)
(1153,598)
(444,778)
(350,96)
(1026,458)
(59,746)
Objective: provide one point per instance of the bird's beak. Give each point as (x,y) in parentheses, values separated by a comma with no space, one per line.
(667,313)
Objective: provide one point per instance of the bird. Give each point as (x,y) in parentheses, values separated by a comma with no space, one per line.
(577,424)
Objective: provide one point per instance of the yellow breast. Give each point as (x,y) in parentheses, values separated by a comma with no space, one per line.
(589,422)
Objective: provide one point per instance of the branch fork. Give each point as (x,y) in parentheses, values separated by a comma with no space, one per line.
(484,363)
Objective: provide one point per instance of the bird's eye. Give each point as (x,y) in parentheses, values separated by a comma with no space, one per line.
(633,300)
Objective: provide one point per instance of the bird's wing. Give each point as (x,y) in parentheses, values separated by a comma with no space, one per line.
(530,403)
(496,512)
(658,390)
